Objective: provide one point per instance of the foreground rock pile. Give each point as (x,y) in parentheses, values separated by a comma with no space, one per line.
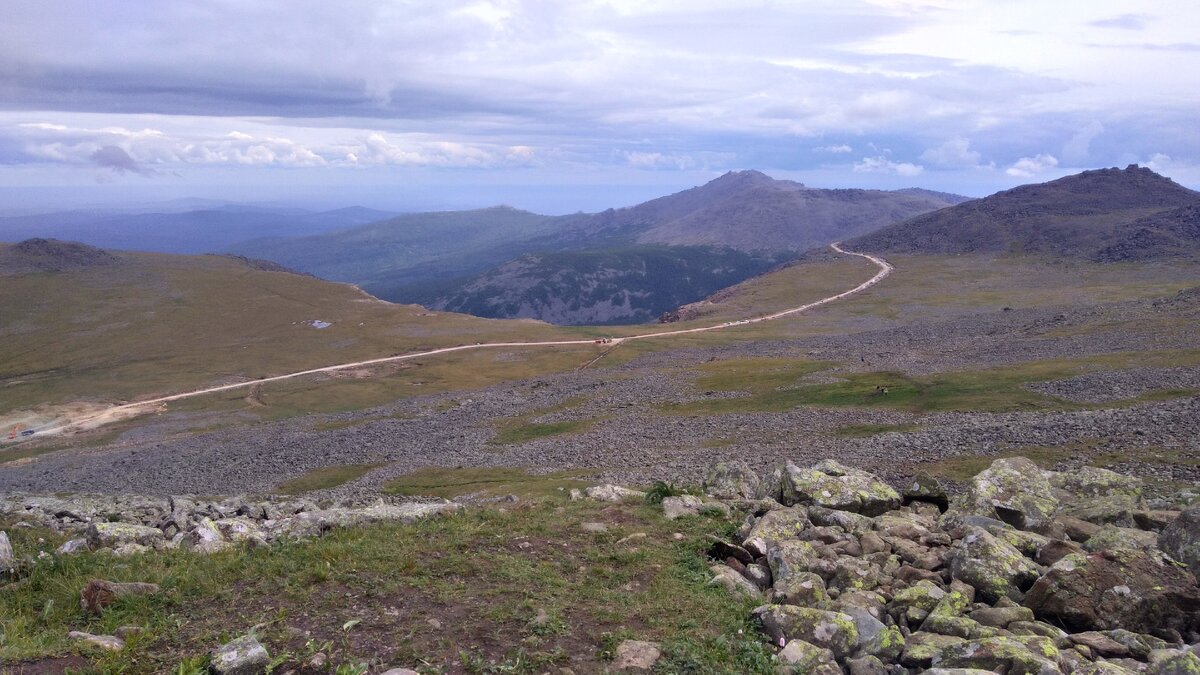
(127,525)
(1027,571)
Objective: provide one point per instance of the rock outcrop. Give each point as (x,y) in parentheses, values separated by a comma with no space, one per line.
(1027,571)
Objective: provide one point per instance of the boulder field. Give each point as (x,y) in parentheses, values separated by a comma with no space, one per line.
(1026,571)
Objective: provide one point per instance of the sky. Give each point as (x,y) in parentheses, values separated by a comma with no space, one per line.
(562,105)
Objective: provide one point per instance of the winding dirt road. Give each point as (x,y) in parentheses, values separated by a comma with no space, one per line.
(94,419)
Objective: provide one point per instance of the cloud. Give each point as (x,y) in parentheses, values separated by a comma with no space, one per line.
(1123,22)
(835,149)
(1031,166)
(112,157)
(882,164)
(955,152)
(1078,149)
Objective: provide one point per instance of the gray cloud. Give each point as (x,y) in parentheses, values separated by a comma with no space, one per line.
(1124,22)
(112,157)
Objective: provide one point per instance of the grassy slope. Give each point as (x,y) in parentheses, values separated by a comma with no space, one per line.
(481,576)
(163,323)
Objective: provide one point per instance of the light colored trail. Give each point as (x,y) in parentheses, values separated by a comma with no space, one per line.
(121,411)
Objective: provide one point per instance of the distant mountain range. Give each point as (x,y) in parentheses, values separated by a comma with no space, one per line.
(1108,215)
(620,265)
(171,230)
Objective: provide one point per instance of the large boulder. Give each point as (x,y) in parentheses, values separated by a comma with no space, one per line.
(832,485)
(1012,490)
(1122,588)
(1181,539)
(1025,655)
(992,566)
(832,630)
(776,525)
(733,479)
(804,658)
(112,535)
(1089,481)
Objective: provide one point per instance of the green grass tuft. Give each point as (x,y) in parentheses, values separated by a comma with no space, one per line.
(324,478)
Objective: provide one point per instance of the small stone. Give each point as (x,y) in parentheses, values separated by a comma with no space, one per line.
(683,505)
(243,656)
(595,528)
(401,671)
(636,655)
(8,561)
(72,546)
(98,593)
(109,642)
(612,493)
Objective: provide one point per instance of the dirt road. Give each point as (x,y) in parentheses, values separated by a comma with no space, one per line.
(114,413)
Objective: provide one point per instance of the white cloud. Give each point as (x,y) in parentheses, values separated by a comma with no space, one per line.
(1078,149)
(955,152)
(882,164)
(835,149)
(1031,166)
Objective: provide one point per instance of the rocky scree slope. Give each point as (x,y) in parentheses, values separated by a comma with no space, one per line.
(1108,214)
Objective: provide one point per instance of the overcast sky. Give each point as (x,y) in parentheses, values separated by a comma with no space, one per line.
(562,105)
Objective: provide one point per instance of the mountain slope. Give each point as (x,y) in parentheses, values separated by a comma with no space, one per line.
(631,284)
(437,244)
(1094,214)
(79,323)
(750,211)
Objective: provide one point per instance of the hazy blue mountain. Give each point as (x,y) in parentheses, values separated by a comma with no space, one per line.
(187,231)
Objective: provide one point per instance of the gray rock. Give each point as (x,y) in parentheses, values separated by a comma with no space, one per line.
(1033,655)
(243,656)
(1121,588)
(612,493)
(1181,539)
(99,593)
(1012,490)
(112,535)
(107,642)
(683,505)
(72,546)
(832,630)
(804,658)
(734,479)
(8,561)
(777,525)
(734,582)
(206,538)
(636,655)
(925,488)
(594,528)
(832,485)
(992,566)
(1111,537)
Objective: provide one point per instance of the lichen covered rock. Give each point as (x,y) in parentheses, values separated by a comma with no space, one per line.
(1123,588)
(1012,490)
(835,486)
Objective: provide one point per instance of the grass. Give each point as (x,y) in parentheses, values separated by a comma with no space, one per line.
(524,433)
(324,478)
(487,482)
(774,385)
(481,575)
